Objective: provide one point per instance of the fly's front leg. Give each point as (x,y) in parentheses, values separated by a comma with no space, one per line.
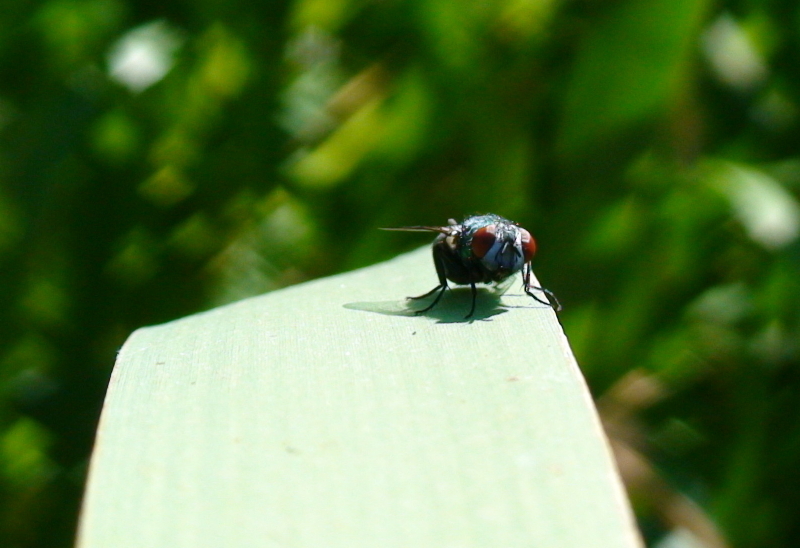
(552,300)
(439,263)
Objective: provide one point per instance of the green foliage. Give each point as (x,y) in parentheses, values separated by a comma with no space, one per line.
(159,160)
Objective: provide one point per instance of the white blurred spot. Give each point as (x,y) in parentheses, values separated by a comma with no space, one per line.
(681,538)
(314,54)
(725,304)
(731,54)
(769,213)
(144,55)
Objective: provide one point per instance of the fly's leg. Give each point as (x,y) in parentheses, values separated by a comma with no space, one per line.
(552,301)
(437,261)
(440,288)
(428,294)
(474,296)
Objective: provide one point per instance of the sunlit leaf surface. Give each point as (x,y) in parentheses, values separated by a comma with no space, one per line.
(328,414)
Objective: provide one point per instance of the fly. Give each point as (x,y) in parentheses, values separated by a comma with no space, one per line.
(481,249)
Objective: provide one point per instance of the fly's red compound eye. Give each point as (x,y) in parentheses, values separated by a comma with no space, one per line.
(483,240)
(528,245)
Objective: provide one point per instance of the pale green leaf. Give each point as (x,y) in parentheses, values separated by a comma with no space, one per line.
(327,415)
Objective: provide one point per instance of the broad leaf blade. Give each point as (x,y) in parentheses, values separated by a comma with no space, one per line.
(323,415)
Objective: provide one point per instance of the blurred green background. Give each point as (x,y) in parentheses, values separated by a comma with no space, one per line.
(157,159)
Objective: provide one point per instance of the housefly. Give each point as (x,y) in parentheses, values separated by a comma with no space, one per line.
(481,249)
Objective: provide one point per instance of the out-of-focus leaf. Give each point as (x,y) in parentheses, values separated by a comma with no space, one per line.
(627,69)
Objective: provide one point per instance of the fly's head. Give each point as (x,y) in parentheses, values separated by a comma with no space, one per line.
(502,247)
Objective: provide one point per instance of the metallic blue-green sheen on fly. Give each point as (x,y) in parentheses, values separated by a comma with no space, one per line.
(481,249)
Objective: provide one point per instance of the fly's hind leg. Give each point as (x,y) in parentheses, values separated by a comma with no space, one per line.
(474,298)
(437,261)
(440,288)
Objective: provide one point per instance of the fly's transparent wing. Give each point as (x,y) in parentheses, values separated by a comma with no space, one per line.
(502,286)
